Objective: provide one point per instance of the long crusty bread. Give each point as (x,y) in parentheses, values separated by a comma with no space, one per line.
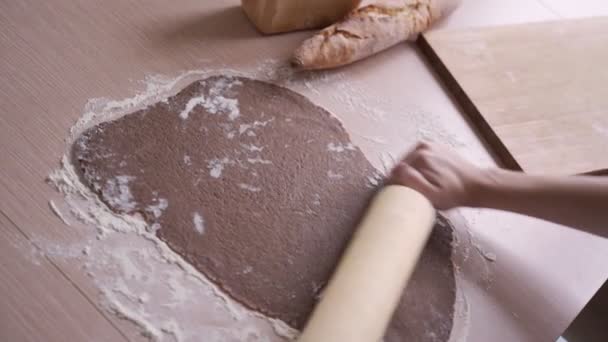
(368,30)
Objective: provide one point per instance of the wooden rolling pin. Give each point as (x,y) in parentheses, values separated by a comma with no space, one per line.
(363,293)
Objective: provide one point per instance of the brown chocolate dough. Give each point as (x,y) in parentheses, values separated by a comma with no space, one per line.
(260,190)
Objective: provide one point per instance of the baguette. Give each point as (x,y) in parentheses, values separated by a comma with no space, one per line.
(368,30)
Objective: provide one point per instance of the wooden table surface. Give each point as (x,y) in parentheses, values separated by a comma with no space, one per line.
(56,56)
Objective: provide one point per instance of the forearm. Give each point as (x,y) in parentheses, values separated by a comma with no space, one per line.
(577,201)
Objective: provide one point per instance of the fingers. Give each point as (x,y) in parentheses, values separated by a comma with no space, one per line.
(415,153)
(406,175)
(421,161)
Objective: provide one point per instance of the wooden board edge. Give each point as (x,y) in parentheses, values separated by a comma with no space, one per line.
(461,97)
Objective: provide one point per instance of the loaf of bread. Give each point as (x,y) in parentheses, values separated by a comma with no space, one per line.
(275,16)
(368,30)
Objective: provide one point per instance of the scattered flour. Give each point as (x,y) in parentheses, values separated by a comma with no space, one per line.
(373,181)
(117,193)
(216,166)
(187,160)
(193,102)
(334,175)
(199,223)
(249,187)
(158,208)
(252,148)
(256,124)
(216,101)
(317,200)
(331,147)
(258,160)
(58,212)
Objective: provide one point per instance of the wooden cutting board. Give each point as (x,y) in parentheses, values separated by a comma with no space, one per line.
(538,92)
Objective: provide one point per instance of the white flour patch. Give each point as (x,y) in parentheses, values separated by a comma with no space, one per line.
(58,212)
(199,223)
(250,126)
(372,180)
(187,160)
(243,128)
(258,160)
(249,187)
(252,148)
(334,175)
(216,101)
(158,208)
(331,147)
(216,166)
(117,193)
(193,102)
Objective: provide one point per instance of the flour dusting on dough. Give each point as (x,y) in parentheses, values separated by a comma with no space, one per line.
(158,208)
(199,223)
(249,187)
(334,175)
(216,101)
(216,166)
(340,147)
(193,102)
(252,148)
(118,194)
(258,160)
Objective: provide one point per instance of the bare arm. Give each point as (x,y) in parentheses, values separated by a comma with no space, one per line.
(450,181)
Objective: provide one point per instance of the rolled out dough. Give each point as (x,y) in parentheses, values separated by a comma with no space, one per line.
(260,190)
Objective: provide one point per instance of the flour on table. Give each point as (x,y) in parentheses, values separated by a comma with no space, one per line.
(58,212)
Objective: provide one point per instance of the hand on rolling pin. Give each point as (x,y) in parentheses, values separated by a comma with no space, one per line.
(449,181)
(442,176)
